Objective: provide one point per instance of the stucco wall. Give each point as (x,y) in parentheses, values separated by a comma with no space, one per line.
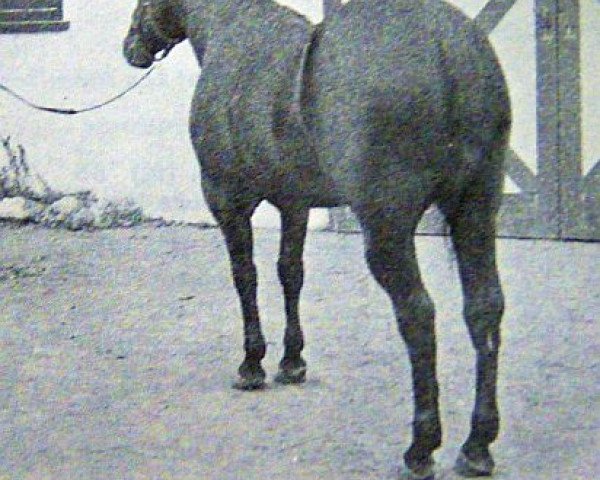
(137,147)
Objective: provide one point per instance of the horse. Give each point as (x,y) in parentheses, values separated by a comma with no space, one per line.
(388,107)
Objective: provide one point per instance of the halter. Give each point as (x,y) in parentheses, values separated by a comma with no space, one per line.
(149,30)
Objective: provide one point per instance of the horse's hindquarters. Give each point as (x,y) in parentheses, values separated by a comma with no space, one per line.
(376,116)
(397,91)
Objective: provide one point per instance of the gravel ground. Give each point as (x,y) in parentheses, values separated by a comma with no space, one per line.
(118,349)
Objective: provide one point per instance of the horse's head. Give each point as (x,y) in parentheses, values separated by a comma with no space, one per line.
(155,29)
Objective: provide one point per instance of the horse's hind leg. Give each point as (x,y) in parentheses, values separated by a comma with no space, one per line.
(473,229)
(292,368)
(390,253)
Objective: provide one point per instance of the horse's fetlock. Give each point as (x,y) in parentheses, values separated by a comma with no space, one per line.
(289,362)
(418,458)
(255,346)
(485,427)
(293,345)
(427,429)
(293,336)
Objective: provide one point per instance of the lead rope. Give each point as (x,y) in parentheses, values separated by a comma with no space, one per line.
(74,111)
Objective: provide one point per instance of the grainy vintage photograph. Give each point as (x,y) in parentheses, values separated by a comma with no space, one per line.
(299,240)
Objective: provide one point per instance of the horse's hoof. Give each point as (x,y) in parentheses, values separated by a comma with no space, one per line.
(249,383)
(291,376)
(466,467)
(250,378)
(423,470)
(425,473)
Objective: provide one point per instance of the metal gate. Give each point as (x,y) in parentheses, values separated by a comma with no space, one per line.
(548,50)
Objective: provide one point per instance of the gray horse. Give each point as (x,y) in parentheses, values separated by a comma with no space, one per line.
(387,106)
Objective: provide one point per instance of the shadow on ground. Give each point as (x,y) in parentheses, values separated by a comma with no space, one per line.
(118,348)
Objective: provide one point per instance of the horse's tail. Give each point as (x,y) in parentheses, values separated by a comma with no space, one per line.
(477,107)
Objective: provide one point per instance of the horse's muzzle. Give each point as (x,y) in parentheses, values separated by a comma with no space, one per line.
(136,54)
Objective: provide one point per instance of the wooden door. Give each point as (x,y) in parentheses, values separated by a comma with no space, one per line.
(579,108)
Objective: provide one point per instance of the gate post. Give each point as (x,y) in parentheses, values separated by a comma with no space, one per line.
(569,105)
(546,32)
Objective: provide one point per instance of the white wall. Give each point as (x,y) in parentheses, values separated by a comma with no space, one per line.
(137,147)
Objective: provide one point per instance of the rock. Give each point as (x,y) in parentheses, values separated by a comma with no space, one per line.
(64,208)
(36,208)
(123,213)
(82,218)
(16,208)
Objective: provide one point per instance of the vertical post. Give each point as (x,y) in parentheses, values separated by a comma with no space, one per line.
(546,31)
(569,97)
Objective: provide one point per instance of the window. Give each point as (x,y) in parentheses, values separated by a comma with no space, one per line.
(31,16)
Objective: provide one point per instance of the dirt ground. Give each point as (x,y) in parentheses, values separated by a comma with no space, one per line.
(118,349)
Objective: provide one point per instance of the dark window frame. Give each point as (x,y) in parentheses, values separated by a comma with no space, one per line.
(32,16)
